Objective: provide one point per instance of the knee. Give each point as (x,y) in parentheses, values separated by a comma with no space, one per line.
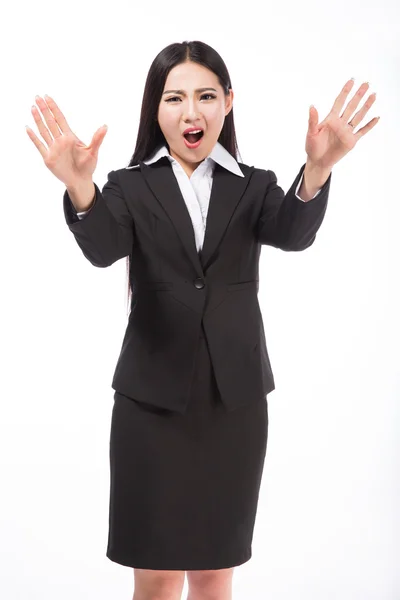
(159,585)
(210,584)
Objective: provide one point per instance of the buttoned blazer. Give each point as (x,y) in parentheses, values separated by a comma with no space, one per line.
(142,213)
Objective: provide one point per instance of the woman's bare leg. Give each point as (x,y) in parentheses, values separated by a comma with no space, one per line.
(158,585)
(210,585)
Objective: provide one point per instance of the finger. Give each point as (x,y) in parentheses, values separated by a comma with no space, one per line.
(98,138)
(48,117)
(58,115)
(358,117)
(44,132)
(39,145)
(361,132)
(338,104)
(354,102)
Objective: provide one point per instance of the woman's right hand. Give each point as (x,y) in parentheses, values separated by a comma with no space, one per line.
(69,159)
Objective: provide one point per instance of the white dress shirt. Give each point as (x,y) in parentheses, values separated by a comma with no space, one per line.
(196,190)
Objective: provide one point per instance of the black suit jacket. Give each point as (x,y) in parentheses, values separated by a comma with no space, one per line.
(142,213)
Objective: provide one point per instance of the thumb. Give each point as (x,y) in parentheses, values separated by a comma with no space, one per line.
(98,138)
(312,120)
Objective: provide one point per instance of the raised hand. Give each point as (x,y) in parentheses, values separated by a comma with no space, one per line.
(64,154)
(334,137)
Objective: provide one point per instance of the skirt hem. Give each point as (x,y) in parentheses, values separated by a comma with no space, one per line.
(184,565)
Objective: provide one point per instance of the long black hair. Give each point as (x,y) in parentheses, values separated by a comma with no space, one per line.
(150,136)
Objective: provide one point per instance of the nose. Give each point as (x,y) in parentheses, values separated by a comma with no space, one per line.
(191,113)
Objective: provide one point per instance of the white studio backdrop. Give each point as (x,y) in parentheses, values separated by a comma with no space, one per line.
(329,508)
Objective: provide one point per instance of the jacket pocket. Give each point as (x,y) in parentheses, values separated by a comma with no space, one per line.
(242,285)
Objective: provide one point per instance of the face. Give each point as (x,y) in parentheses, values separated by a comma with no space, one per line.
(188,106)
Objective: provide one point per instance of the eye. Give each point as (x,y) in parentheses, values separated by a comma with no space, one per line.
(176,97)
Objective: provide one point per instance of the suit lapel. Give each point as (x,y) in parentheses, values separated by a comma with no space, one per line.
(226,192)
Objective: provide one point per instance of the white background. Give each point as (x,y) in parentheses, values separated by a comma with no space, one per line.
(329,508)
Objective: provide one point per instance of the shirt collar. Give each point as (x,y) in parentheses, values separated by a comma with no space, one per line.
(218,155)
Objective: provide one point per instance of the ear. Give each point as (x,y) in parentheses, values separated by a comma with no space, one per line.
(229,102)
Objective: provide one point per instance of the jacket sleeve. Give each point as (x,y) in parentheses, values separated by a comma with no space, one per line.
(285,221)
(106,233)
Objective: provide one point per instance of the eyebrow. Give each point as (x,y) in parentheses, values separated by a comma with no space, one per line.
(183,92)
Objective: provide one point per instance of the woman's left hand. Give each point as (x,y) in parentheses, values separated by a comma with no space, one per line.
(334,137)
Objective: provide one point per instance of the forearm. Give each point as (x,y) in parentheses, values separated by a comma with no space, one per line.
(106,234)
(285,221)
(313,180)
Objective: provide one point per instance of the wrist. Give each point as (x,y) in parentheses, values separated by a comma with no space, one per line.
(78,186)
(314,178)
(82,195)
(317,173)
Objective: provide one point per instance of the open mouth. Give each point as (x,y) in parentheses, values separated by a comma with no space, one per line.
(192,138)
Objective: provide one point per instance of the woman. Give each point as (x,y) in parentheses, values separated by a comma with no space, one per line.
(190,419)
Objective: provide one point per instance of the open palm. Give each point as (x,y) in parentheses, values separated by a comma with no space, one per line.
(63,153)
(329,141)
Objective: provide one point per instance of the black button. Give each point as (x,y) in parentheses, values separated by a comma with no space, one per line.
(199,283)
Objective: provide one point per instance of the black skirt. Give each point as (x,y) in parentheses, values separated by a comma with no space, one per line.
(184,488)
